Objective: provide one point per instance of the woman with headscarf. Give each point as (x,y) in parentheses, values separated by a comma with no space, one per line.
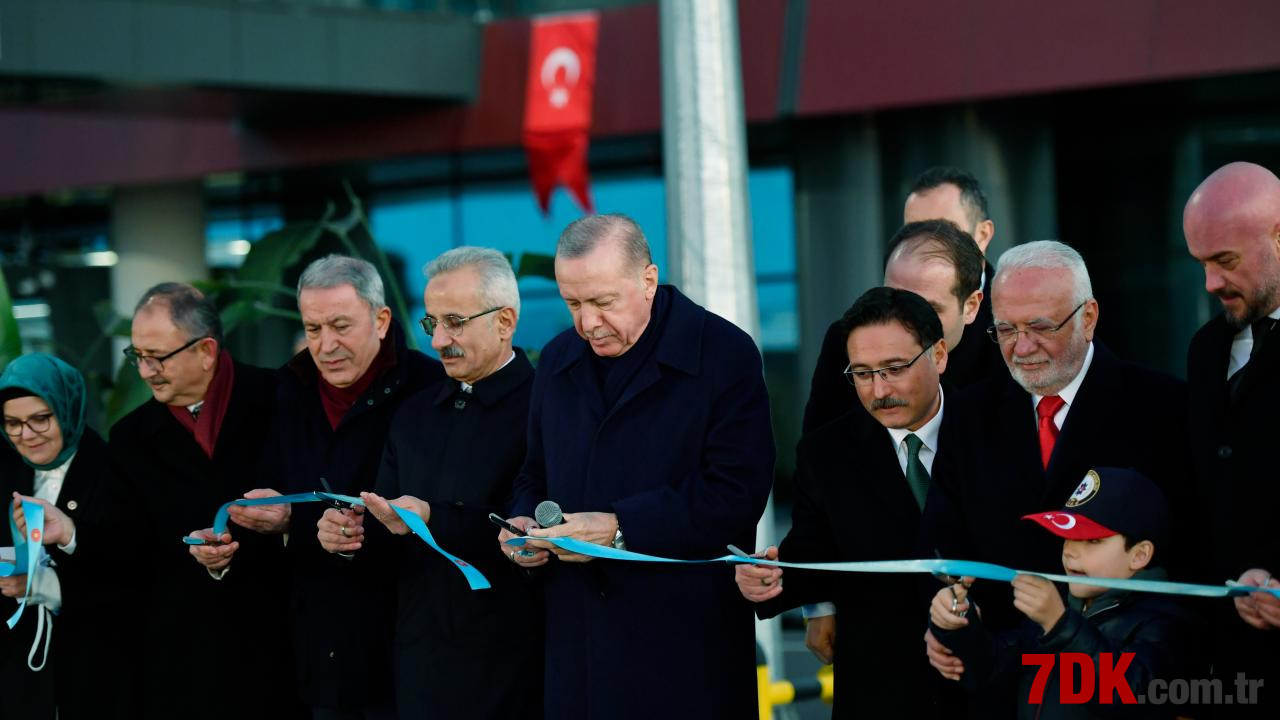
(63,465)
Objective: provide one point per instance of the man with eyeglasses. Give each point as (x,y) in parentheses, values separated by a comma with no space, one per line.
(1026,440)
(860,490)
(452,453)
(196,444)
(943,264)
(1232,227)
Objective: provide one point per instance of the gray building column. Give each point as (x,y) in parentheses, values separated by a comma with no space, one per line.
(158,235)
(840,226)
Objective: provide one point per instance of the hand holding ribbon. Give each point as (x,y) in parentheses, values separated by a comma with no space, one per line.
(58,528)
(759,583)
(341,531)
(597,528)
(215,551)
(266,519)
(1260,610)
(526,557)
(381,508)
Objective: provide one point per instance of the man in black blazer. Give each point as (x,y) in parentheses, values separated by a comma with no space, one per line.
(196,444)
(1232,226)
(860,488)
(941,263)
(939,193)
(335,403)
(451,455)
(1026,440)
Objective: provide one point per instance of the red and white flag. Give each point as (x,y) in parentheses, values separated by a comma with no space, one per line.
(557,105)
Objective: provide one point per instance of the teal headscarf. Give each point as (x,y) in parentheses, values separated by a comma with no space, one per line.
(60,386)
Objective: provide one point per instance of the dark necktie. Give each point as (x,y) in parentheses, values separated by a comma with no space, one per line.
(1048,406)
(917,476)
(1261,328)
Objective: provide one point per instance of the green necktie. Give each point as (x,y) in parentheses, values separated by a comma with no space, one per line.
(917,476)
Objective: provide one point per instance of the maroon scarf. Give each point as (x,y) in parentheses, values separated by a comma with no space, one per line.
(216,400)
(338,400)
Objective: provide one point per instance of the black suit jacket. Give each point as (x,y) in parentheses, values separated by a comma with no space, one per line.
(853,503)
(91,641)
(1123,416)
(343,609)
(830,395)
(233,627)
(460,452)
(1236,488)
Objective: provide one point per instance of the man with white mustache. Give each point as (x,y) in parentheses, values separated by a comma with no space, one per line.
(1025,440)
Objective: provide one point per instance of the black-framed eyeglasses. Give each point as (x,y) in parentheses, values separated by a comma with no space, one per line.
(39,423)
(888,373)
(155,363)
(1007,334)
(452,324)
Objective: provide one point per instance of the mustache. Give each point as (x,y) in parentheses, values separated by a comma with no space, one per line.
(452,351)
(885,403)
(1031,360)
(335,355)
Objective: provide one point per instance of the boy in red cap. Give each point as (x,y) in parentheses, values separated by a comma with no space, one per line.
(1111,526)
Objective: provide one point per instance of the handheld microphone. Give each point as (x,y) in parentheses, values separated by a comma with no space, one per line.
(548,514)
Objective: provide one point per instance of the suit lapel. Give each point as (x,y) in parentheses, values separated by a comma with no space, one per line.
(647,376)
(583,377)
(1018,448)
(878,473)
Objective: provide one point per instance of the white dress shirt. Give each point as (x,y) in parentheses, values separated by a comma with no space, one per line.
(1242,345)
(928,434)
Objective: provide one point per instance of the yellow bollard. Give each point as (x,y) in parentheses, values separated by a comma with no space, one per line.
(770,693)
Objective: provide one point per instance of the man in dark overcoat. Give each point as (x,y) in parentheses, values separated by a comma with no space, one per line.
(1026,440)
(196,444)
(451,456)
(1232,227)
(336,400)
(649,425)
(861,485)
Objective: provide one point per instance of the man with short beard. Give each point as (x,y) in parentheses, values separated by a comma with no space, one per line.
(1232,226)
(1026,440)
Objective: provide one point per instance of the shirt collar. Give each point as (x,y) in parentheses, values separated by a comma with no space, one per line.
(928,433)
(468,387)
(58,473)
(1068,393)
(1247,330)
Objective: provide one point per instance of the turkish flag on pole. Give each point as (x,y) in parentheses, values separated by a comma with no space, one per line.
(557,105)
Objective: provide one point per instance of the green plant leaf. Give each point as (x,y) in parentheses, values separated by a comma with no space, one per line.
(275,252)
(10,340)
(537,265)
(128,392)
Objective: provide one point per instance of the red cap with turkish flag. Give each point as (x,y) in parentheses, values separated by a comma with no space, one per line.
(1110,501)
(558,103)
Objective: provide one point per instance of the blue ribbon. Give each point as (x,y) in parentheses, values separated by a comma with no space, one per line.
(957,568)
(25,545)
(475,579)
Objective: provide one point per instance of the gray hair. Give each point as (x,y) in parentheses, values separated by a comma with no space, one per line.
(498,286)
(585,234)
(1048,255)
(337,270)
(189,310)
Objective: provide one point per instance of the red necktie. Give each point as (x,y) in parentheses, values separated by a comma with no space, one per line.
(1048,406)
